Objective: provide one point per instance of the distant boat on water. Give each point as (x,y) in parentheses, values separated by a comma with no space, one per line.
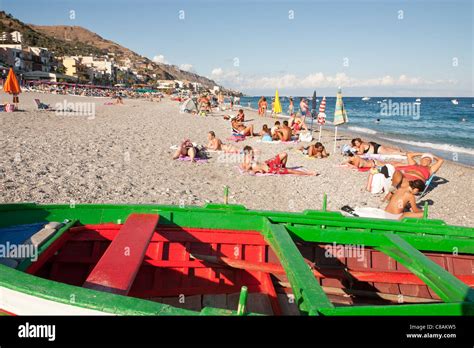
(366,98)
(455,101)
(418,100)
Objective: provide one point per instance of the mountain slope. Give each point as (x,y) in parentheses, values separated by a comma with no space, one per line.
(75,40)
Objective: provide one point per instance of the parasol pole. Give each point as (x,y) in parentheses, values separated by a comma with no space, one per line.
(335,137)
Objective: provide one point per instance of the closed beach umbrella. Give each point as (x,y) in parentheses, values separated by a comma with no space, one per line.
(313,109)
(277,107)
(12,86)
(340,114)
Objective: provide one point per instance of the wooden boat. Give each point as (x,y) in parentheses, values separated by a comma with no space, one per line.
(227,260)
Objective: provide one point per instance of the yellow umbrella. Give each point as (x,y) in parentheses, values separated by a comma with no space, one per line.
(277,107)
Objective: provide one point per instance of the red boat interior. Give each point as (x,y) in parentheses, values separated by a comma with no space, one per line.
(194,268)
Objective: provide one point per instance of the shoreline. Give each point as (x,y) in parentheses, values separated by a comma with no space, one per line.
(123,155)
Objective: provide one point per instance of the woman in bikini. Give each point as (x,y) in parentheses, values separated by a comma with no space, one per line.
(276,165)
(373,148)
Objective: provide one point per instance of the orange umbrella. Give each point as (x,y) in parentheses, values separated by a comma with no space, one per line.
(12,86)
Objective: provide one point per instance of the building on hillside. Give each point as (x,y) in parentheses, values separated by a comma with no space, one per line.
(12,37)
(43,60)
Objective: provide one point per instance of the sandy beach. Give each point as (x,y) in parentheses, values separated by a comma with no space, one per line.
(123,155)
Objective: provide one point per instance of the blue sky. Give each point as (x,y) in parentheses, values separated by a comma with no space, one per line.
(367,47)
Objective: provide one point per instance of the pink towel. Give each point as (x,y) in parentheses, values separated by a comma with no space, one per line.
(196,159)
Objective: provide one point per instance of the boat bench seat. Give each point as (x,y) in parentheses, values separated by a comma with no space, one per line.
(117,268)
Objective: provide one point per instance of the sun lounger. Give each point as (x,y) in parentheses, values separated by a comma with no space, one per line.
(427,185)
(40,105)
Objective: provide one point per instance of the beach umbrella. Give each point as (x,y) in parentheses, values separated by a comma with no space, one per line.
(321,116)
(277,106)
(340,114)
(12,86)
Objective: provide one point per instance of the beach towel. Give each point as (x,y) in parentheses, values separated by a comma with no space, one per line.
(236,138)
(380,157)
(368,212)
(109,103)
(295,141)
(243,172)
(196,159)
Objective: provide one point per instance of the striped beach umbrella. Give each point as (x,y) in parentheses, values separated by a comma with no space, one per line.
(321,113)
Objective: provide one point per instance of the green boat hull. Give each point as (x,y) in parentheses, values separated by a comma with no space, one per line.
(403,240)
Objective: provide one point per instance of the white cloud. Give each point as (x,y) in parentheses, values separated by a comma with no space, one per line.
(217,72)
(186,67)
(233,79)
(159,58)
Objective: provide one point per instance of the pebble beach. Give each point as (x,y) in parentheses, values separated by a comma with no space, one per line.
(123,155)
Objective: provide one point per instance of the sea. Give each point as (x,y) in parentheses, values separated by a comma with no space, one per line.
(435,125)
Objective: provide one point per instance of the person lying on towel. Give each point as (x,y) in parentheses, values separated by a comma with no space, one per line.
(276,165)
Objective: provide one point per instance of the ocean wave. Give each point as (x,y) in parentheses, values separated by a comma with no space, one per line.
(362,130)
(442,147)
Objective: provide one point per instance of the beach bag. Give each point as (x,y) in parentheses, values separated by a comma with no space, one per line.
(306,136)
(10,108)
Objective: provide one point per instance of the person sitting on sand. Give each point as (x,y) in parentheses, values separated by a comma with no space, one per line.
(186,148)
(240,116)
(240,128)
(217,145)
(317,150)
(284,133)
(276,165)
(273,130)
(296,124)
(403,198)
(372,148)
(265,133)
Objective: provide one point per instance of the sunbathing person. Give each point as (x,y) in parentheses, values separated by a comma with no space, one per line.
(296,124)
(317,150)
(358,162)
(276,165)
(186,148)
(240,128)
(373,148)
(217,145)
(414,171)
(403,198)
(284,133)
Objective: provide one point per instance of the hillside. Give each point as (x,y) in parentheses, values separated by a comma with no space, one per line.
(75,40)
